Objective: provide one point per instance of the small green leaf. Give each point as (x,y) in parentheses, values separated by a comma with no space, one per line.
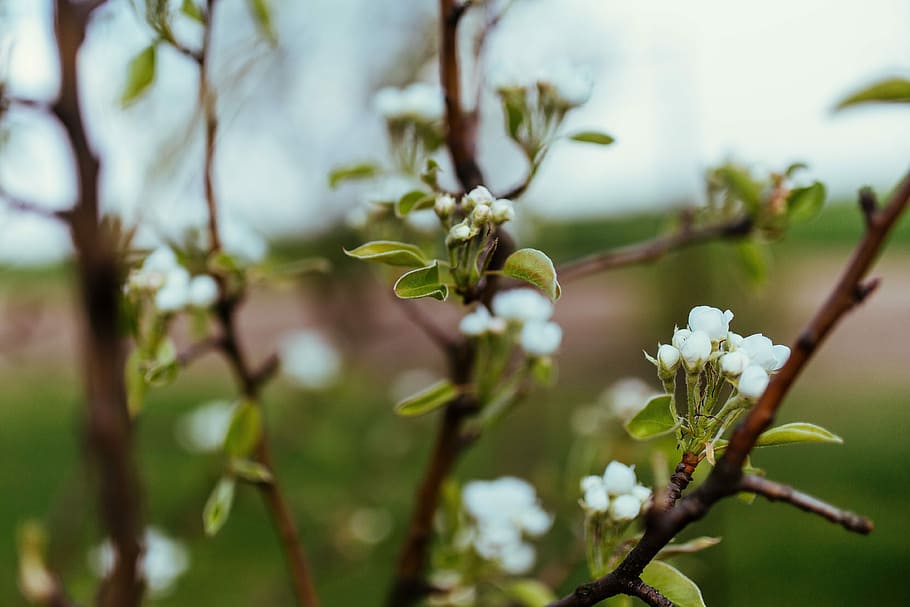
(262,13)
(135,383)
(530,593)
(695,545)
(192,10)
(429,399)
(798,432)
(543,370)
(250,471)
(390,253)
(592,137)
(413,201)
(218,506)
(245,430)
(430,174)
(363,170)
(535,267)
(163,369)
(656,418)
(514,109)
(891,90)
(422,282)
(795,168)
(140,73)
(805,203)
(741,185)
(671,583)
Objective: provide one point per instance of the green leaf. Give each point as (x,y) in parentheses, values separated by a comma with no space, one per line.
(741,185)
(530,593)
(218,506)
(413,201)
(390,253)
(535,267)
(135,383)
(429,399)
(795,168)
(430,174)
(671,583)
(364,170)
(163,369)
(245,429)
(250,471)
(140,73)
(262,14)
(891,90)
(798,432)
(192,10)
(543,370)
(592,137)
(753,257)
(695,545)
(656,418)
(805,203)
(422,282)
(514,108)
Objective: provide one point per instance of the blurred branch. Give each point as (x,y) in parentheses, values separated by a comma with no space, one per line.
(17,204)
(108,422)
(198,349)
(778,492)
(653,250)
(727,477)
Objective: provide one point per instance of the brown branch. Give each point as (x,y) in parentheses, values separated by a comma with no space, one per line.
(778,492)
(653,250)
(198,349)
(461,131)
(207,101)
(648,594)
(726,477)
(109,429)
(18,204)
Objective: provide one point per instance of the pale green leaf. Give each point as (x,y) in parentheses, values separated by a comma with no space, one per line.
(363,170)
(592,137)
(798,432)
(140,74)
(413,201)
(390,253)
(218,507)
(422,282)
(741,185)
(244,431)
(891,90)
(656,418)
(671,583)
(249,470)
(695,545)
(163,369)
(805,203)
(262,14)
(192,10)
(529,593)
(535,267)
(429,399)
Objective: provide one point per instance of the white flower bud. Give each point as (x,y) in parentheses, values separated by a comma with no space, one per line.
(174,294)
(667,359)
(503,210)
(619,478)
(590,482)
(203,291)
(712,321)
(481,214)
(764,353)
(596,499)
(476,323)
(752,382)
(732,364)
(540,338)
(679,337)
(642,493)
(695,351)
(460,232)
(734,341)
(522,305)
(480,196)
(444,206)
(625,507)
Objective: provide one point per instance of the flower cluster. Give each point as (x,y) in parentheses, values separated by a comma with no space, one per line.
(309,360)
(419,102)
(524,308)
(503,513)
(564,84)
(162,562)
(482,210)
(616,493)
(170,284)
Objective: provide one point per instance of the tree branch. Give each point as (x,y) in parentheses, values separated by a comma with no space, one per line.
(726,478)
(778,492)
(17,204)
(653,250)
(109,429)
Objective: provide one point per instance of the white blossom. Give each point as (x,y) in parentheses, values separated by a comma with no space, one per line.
(503,210)
(642,493)
(163,561)
(481,214)
(203,291)
(668,358)
(461,232)
(444,206)
(418,101)
(476,323)
(617,493)
(625,507)
(522,305)
(203,429)
(732,364)
(174,294)
(479,196)
(734,341)
(679,337)
(619,478)
(572,85)
(309,360)
(695,350)
(712,321)
(540,338)
(753,381)
(594,492)
(762,352)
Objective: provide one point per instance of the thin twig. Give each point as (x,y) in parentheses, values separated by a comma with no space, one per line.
(17,204)
(726,477)
(653,250)
(198,349)
(778,492)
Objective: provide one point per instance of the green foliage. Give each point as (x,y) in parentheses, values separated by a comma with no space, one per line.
(427,400)
(140,74)
(262,14)
(891,90)
(163,368)
(192,10)
(592,137)
(422,282)
(805,203)
(671,583)
(414,201)
(656,418)
(363,170)
(535,267)
(797,432)
(390,253)
(529,593)
(249,470)
(218,506)
(244,431)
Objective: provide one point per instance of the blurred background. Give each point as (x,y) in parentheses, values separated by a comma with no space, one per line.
(681,87)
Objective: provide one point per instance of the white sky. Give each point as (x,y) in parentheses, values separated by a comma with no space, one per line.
(682,85)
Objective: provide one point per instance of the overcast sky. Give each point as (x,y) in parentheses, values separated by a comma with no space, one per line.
(681,85)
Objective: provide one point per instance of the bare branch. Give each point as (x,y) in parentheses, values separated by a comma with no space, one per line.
(199,349)
(17,204)
(778,492)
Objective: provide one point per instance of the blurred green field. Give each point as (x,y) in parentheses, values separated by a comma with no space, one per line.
(342,451)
